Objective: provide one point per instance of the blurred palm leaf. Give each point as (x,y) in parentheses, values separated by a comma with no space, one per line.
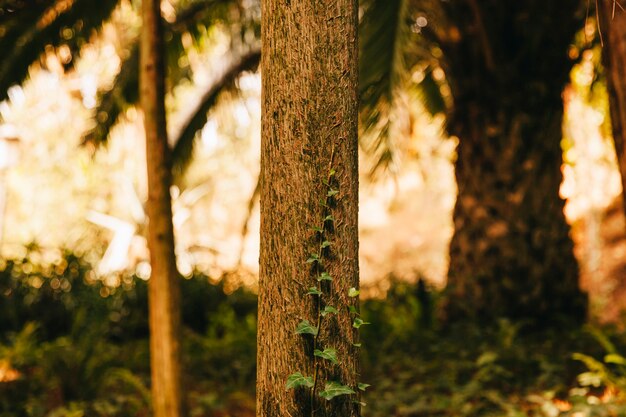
(191,19)
(393,42)
(28,27)
(183,144)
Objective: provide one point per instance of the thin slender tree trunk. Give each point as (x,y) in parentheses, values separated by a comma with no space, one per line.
(613,27)
(163,295)
(309,127)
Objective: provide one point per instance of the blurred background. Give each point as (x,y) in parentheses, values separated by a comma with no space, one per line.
(73,252)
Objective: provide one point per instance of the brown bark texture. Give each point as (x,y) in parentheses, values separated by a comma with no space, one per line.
(511,254)
(163,288)
(613,28)
(309,126)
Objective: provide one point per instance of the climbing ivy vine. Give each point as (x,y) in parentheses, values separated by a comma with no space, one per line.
(321,289)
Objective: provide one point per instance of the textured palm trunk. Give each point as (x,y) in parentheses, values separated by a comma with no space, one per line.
(511,254)
(309,126)
(163,293)
(613,26)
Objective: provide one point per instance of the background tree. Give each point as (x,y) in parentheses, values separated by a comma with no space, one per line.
(613,30)
(309,127)
(505,67)
(164,291)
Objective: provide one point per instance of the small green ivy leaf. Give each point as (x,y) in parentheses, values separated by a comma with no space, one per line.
(329,310)
(353,292)
(363,386)
(325,244)
(357,345)
(304,327)
(332,172)
(317,229)
(334,389)
(324,276)
(298,380)
(332,192)
(328,354)
(314,291)
(314,257)
(353,309)
(358,322)
(329,218)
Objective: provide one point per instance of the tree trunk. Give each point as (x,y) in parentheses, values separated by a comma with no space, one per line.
(511,254)
(163,295)
(309,127)
(613,27)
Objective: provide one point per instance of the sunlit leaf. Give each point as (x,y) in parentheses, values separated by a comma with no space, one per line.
(363,386)
(334,389)
(325,276)
(358,322)
(314,291)
(329,354)
(329,310)
(304,327)
(298,380)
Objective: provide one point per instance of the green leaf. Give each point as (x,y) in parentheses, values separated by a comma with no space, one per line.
(314,291)
(325,276)
(357,345)
(332,172)
(328,354)
(358,322)
(329,218)
(314,257)
(363,386)
(325,244)
(298,380)
(615,358)
(329,310)
(304,327)
(353,309)
(332,193)
(334,389)
(353,292)
(317,229)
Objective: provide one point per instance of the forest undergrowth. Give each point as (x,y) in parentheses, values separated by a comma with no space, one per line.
(71,346)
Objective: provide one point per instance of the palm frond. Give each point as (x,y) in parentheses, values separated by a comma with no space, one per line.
(26,34)
(184,142)
(113,102)
(385,35)
(124,91)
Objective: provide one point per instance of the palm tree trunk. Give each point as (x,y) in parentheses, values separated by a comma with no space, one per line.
(613,27)
(164,303)
(309,127)
(511,254)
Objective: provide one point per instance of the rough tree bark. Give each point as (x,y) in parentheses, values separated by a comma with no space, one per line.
(613,27)
(309,125)
(511,254)
(163,293)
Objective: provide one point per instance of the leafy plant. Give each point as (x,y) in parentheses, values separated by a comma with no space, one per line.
(317,259)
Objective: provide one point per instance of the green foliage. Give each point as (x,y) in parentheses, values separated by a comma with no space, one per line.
(298,380)
(318,261)
(335,389)
(78,352)
(78,347)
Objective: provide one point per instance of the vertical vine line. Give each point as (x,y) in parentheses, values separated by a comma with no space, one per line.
(297,380)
